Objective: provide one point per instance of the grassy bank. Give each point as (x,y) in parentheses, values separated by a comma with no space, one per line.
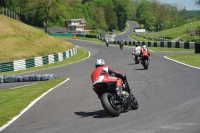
(21,41)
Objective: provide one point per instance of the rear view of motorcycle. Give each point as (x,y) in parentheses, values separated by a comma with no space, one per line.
(145,61)
(107,44)
(121,44)
(136,55)
(114,105)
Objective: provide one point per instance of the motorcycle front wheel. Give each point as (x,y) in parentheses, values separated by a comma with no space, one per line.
(146,64)
(121,47)
(109,106)
(134,104)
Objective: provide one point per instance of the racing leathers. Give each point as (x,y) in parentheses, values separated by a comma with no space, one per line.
(104,74)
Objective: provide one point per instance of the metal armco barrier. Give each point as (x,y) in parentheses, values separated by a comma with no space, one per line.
(37,61)
(167,44)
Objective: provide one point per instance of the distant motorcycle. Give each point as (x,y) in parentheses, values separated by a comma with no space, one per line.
(121,45)
(107,44)
(113,105)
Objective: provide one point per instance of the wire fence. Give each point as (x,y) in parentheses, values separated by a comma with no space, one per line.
(9,13)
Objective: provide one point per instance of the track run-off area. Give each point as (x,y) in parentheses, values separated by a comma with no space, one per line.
(168,94)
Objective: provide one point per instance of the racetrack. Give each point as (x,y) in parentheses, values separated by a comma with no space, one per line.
(168,94)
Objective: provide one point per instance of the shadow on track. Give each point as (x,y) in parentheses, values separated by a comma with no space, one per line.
(140,69)
(94,114)
(132,64)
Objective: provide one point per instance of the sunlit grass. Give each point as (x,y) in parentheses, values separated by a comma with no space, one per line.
(192,59)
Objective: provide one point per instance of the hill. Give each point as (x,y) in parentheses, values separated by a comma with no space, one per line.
(21,41)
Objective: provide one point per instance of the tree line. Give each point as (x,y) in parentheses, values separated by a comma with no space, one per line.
(100,14)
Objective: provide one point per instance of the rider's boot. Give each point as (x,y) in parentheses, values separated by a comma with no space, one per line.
(119,91)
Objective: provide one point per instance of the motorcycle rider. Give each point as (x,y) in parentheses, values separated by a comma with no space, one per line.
(137,50)
(145,51)
(121,42)
(104,74)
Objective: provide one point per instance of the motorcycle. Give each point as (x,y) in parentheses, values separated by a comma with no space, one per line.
(121,45)
(114,105)
(145,60)
(136,55)
(107,44)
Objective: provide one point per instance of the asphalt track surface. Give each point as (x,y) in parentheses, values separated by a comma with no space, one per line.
(168,94)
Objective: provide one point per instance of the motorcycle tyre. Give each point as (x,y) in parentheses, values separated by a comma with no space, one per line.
(136,60)
(121,47)
(134,105)
(107,45)
(146,64)
(110,110)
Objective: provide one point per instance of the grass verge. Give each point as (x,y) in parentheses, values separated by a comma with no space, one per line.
(13,101)
(192,59)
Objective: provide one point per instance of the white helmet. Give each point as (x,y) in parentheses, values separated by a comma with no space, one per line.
(99,62)
(144,47)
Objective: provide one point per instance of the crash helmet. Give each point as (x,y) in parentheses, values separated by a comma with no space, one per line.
(137,45)
(144,47)
(99,62)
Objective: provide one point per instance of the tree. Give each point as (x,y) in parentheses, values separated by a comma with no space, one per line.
(111,18)
(197,2)
(122,12)
(44,6)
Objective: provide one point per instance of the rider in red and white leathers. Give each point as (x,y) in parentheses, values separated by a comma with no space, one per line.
(103,74)
(144,51)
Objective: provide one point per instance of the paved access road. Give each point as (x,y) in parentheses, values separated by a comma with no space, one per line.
(168,94)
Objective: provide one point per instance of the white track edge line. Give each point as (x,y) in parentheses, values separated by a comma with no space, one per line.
(181,63)
(29,106)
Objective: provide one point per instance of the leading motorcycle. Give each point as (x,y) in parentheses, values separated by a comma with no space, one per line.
(145,60)
(112,104)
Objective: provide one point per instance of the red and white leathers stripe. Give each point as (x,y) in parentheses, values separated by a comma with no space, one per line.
(102,75)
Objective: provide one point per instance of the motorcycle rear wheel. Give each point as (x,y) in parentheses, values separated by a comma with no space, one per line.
(136,60)
(109,107)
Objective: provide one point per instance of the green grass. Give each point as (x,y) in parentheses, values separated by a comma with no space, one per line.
(174,32)
(192,59)
(13,101)
(20,41)
(190,38)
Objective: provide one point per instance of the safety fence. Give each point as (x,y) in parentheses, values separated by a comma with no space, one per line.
(168,44)
(37,61)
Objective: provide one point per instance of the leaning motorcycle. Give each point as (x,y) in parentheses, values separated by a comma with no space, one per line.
(114,105)
(145,60)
